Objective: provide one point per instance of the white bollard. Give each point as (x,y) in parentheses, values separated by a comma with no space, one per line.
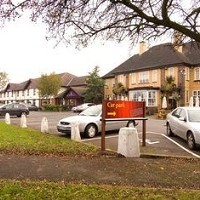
(128,142)
(23,123)
(75,133)
(44,125)
(7,118)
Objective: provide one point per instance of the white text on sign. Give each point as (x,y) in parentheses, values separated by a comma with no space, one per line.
(115,105)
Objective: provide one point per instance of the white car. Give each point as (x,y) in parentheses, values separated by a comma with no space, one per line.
(90,122)
(82,107)
(185,123)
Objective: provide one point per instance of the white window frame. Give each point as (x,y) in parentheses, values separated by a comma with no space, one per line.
(149,96)
(133,78)
(196,93)
(144,77)
(152,98)
(197,73)
(171,71)
(187,73)
(121,78)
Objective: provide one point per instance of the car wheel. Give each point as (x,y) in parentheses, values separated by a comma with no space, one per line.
(131,123)
(169,131)
(191,141)
(91,130)
(23,113)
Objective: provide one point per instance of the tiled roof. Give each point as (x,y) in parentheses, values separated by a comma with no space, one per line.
(66,78)
(79,90)
(158,56)
(33,83)
(192,52)
(78,81)
(18,86)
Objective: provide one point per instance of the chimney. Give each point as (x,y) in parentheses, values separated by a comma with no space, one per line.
(142,47)
(177,41)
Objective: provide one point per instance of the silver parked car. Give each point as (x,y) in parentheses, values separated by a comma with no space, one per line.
(90,122)
(82,107)
(185,123)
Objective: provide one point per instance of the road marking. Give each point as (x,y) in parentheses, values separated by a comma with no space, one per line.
(188,151)
(150,142)
(114,136)
(99,138)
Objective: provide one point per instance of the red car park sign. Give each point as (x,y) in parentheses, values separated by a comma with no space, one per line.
(123,109)
(117,110)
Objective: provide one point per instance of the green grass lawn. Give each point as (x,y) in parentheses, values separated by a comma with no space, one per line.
(28,141)
(12,189)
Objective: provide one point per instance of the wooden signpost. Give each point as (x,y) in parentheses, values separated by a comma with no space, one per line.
(117,110)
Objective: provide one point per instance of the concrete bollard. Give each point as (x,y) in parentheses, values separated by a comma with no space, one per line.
(23,123)
(75,133)
(128,142)
(44,125)
(7,118)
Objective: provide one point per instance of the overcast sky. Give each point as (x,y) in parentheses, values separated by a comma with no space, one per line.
(25,53)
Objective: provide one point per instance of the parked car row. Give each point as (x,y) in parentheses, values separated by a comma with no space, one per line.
(14,109)
(17,109)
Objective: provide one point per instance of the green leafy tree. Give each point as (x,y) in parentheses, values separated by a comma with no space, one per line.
(95,87)
(169,86)
(49,85)
(82,21)
(3,80)
(119,90)
(170,89)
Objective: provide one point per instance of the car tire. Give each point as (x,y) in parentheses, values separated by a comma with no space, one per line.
(131,123)
(23,113)
(169,131)
(91,130)
(191,140)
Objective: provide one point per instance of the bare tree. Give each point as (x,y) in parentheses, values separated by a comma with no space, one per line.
(3,80)
(80,21)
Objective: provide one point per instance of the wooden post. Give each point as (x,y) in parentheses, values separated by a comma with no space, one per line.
(103,125)
(144,126)
(143,132)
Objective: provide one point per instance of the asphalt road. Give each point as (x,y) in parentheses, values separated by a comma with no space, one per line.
(155,135)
